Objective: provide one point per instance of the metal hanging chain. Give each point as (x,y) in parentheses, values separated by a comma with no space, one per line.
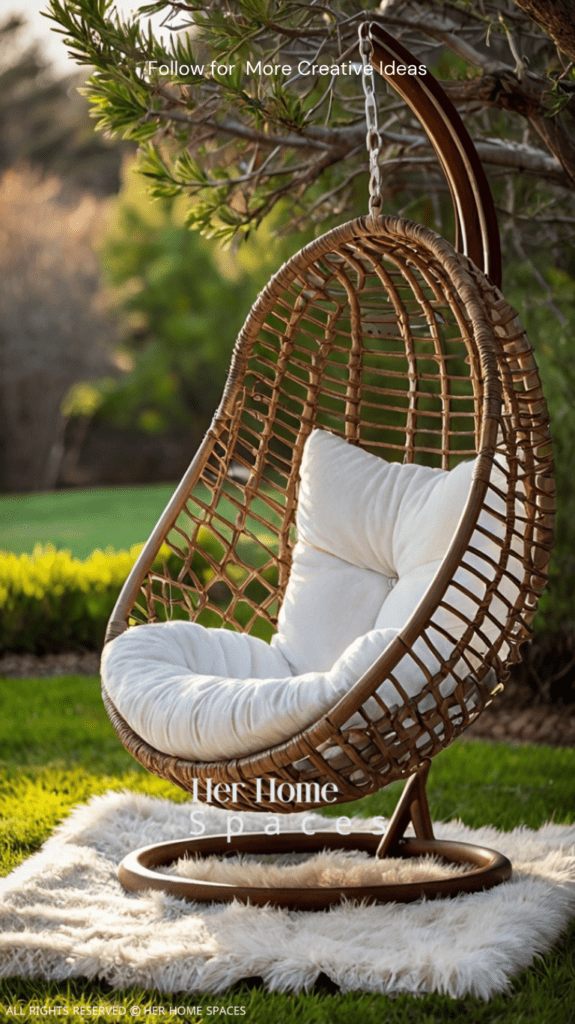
(373,138)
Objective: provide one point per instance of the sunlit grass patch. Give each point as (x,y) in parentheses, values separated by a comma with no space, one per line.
(58,750)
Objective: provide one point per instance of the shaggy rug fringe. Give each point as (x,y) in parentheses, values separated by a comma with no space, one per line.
(64,914)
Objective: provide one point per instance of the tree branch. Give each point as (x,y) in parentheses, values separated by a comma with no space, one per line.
(241,131)
(501,85)
(442,28)
(558,141)
(527,98)
(556,18)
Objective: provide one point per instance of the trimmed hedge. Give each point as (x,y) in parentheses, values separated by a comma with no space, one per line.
(53,602)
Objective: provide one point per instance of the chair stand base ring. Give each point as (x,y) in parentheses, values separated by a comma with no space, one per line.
(487,868)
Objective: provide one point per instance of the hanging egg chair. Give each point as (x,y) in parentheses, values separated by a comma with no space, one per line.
(375,497)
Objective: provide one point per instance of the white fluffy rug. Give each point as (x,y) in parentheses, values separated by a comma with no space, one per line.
(64,915)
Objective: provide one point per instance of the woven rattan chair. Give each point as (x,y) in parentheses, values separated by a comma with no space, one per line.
(380,332)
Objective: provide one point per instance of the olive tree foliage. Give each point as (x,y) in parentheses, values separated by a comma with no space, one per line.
(275,133)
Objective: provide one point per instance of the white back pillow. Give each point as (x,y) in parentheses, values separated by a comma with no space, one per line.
(371,535)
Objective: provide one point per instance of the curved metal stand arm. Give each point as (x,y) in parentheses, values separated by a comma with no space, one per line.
(476,228)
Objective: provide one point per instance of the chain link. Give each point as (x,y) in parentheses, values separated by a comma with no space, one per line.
(373,138)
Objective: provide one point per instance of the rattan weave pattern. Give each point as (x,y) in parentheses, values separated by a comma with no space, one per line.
(379,332)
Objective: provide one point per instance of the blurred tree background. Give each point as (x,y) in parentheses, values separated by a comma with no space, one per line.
(45,122)
(55,172)
(116,321)
(179,301)
(53,327)
(247,156)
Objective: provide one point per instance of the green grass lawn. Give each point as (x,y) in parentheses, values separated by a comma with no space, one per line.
(81,520)
(58,749)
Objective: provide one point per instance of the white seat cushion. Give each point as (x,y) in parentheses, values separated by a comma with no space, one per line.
(211,694)
(363,525)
